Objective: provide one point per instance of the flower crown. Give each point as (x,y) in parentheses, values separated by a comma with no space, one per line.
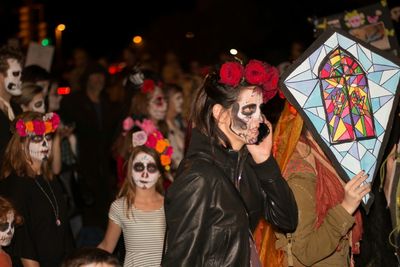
(48,124)
(150,137)
(254,73)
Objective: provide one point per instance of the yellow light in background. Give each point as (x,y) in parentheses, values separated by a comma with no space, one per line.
(189,35)
(60,27)
(137,39)
(233,51)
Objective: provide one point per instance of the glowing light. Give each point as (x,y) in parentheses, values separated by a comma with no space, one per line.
(137,39)
(60,27)
(189,35)
(45,42)
(233,51)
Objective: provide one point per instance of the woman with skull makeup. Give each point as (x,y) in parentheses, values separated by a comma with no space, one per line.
(138,211)
(31,98)
(9,218)
(228,179)
(27,181)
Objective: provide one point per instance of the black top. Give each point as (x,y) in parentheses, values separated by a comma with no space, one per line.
(217,199)
(38,238)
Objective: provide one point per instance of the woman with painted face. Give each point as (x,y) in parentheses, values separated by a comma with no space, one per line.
(228,179)
(31,99)
(9,218)
(27,181)
(138,211)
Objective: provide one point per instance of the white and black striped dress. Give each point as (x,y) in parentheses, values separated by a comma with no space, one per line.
(143,234)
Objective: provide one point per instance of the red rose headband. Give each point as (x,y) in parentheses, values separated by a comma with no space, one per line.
(254,73)
(48,124)
(150,137)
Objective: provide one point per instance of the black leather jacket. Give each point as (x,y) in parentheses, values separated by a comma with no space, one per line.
(208,219)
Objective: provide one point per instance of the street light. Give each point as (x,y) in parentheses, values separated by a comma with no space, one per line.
(137,40)
(58,33)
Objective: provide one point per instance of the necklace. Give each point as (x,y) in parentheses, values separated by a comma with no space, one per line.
(54,206)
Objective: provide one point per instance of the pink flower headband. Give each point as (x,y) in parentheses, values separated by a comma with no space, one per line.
(255,73)
(48,124)
(150,137)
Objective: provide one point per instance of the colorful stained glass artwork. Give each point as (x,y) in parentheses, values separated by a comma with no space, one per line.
(346,91)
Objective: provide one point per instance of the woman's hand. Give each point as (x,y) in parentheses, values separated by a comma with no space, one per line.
(354,191)
(262,151)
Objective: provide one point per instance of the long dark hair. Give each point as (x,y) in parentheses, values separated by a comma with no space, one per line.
(16,157)
(210,93)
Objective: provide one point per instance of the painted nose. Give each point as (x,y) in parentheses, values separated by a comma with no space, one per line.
(10,232)
(44,144)
(145,175)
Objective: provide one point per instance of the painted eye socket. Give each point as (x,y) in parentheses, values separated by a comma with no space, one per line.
(16,73)
(138,167)
(159,101)
(38,104)
(152,168)
(249,109)
(3,226)
(49,137)
(37,138)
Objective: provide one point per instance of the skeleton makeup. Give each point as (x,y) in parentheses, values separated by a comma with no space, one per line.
(7,230)
(158,106)
(145,173)
(12,80)
(37,103)
(177,102)
(40,146)
(246,114)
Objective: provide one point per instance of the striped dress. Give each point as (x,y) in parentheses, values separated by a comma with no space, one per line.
(143,234)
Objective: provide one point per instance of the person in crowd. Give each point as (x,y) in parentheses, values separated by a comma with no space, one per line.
(176,123)
(27,181)
(81,63)
(90,257)
(329,222)
(228,178)
(11,61)
(9,219)
(138,211)
(31,98)
(88,112)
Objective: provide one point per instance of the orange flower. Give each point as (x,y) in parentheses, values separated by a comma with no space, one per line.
(29,126)
(161,146)
(48,126)
(165,160)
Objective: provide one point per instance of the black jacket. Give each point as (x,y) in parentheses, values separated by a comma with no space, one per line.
(208,219)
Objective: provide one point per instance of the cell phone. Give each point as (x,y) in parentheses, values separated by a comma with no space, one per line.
(263,131)
(63,90)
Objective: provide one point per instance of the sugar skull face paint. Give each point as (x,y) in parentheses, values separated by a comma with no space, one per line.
(157,105)
(40,146)
(12,80)
(37,103)
(144,171)
(246,114)
(7,230)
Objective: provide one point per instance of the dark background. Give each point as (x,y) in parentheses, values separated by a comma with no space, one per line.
(262,29)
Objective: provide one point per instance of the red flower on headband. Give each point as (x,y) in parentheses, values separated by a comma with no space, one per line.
(55,120)
(255,72)
(39,127)
(148,86)
(231,73)
(21,128)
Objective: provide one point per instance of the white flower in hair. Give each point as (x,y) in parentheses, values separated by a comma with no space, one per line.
(139,138)
(136,78)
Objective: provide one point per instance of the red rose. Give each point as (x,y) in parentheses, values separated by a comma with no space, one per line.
(55,121)
(231,73)
(271,79)
(148,86)
(39,127)
(255,72)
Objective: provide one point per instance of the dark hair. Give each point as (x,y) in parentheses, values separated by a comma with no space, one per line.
(29,91)
(16,157)
(34,73)
(5,208)
(129,187)
(7,52)
(210,93)
(92,69)
(90,255)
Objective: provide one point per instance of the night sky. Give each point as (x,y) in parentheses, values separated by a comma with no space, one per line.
(259,28)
